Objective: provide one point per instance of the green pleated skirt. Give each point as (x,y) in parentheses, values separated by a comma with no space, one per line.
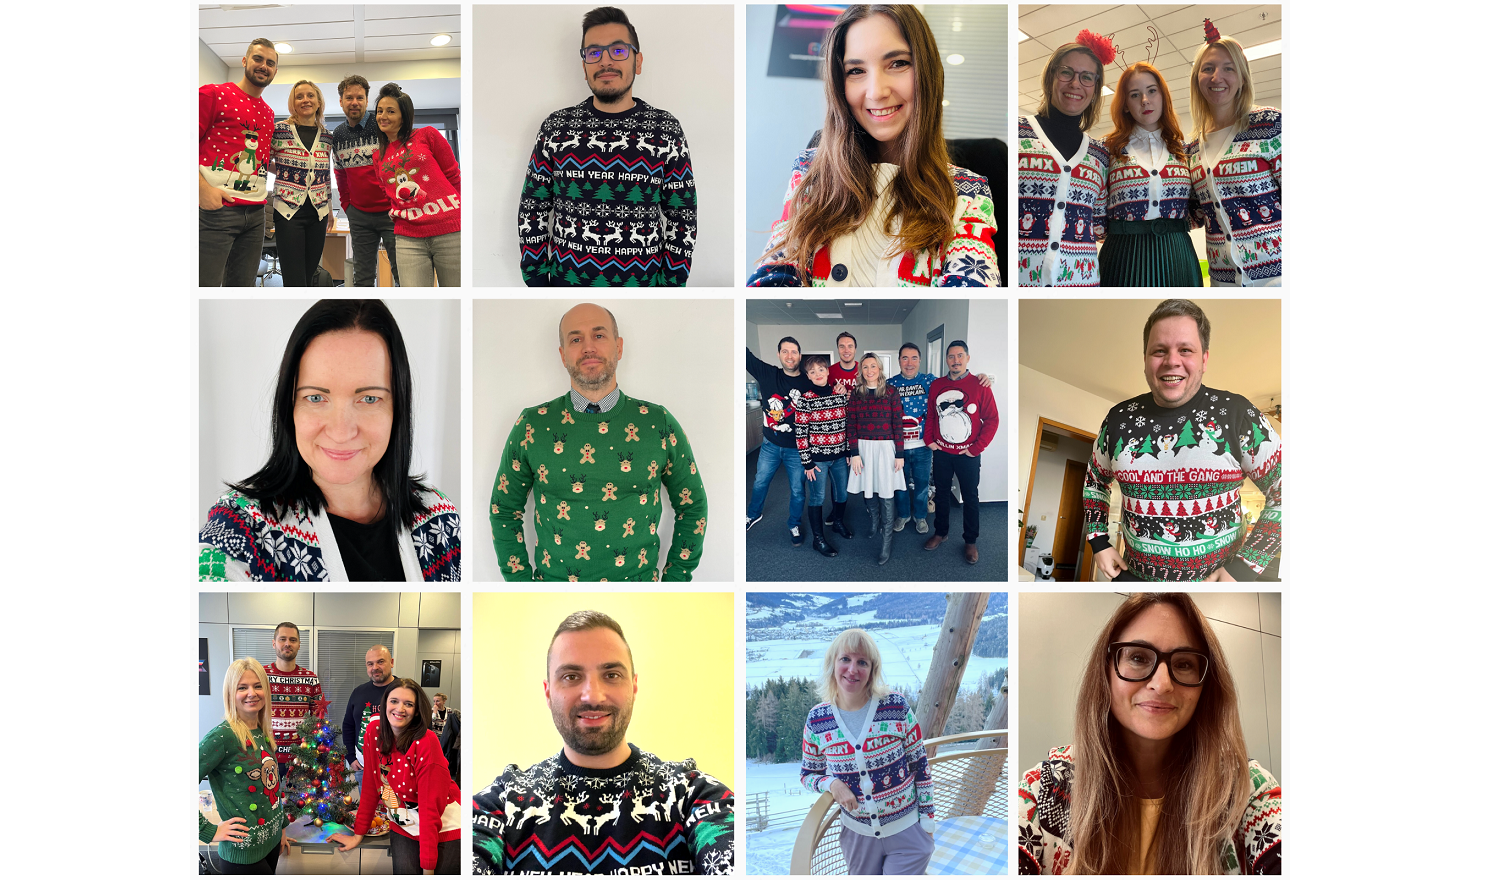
(1149,254)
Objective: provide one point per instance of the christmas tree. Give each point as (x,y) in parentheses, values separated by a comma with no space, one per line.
(1186,439)
(317,784)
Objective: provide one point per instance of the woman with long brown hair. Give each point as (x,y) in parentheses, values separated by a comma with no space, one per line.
(1149,199)
(1157,780)
(876,203)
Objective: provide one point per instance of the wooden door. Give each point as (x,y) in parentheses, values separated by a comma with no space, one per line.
(1070,525)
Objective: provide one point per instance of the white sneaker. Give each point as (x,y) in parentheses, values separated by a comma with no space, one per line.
(900,524)
(921,525)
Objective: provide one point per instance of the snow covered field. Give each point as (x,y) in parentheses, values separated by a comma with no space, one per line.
(770,850)
(905,654)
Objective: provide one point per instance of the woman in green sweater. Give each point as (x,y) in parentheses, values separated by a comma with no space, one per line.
(240,761)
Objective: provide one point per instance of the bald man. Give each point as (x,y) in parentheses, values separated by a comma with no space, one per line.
(596,461)
(366,701)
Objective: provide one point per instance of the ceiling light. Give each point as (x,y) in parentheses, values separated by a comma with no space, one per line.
(955,58)
(853,304)
(1264,50)
(282,48)
(1020,37)
(440,40)
(829,315)
(957,25)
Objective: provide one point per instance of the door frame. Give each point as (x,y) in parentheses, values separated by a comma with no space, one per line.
(1026,507)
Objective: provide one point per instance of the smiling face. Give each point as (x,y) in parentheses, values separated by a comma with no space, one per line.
(379,666)
(1073,96)
(817,373)
(286,643)
(1174,361)
(342,409)
(879,81)
(854,670)
(870,371)
(389,116)
(958,362)
(1219,79)
(611,80)
(1158,708)
(911,363)
(847,348)
(590,689)
(353,102)
(790,355)
(590,348)
(1144,100)
(399,707)
(306,103)
(250,698)
(260,65)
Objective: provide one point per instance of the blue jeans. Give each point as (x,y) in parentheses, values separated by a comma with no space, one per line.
(918,476)
(770,458)
(839,470)
(816,488)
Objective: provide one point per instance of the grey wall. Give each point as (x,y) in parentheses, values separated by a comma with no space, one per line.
(211,68)
(953,315)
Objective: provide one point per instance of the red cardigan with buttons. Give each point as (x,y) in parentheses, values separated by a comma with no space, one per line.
(417,775)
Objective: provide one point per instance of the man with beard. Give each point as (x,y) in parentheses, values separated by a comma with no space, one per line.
(361,195)
(601,805)
(295,692)
(608,197)
(596,459)
(366,702)
(235,145)
(961,423)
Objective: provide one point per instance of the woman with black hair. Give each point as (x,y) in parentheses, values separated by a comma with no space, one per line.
(335,501)
(403,769)
(418,170)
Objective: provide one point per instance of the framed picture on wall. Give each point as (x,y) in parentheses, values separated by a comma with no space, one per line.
(429,673)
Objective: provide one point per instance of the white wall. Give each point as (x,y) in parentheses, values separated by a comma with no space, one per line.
(674,354)
(1042,396)
(241,344)
(688,72)
(989,352)
(211,68)
(1050,467)
(952,314)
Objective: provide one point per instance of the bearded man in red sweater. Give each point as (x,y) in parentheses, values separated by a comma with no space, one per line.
(961,423)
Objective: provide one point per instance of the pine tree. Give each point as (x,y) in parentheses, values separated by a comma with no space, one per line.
(604,193)
(573,191)
(571,277)
(1146,445)
(317,783)
(675,201)
(540,192)
(1186,438)
(633,282)
(617,280)
(634,196)
(600,281)
(1120,444)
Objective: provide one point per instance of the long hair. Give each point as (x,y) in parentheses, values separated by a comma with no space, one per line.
(852,640)
(285,480)
(1204,115)
(1207,782)
(388,741)
(883,390)
(1050,70)
(1172,132)
(405,109)
(228,693)
(838,192)
(319,112)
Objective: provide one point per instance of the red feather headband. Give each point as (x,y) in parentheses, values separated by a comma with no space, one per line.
(1211,33)
(1100,45)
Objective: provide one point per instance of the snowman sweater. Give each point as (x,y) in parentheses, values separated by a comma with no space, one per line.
(1061,209)
(1180,470)
(235,143)
(642,817)
(884,764)
(608,199)
(293,697)
(596,481)
(419,780)
(963,418)
(821,426)
(244,780)
(913,394)
(423,184)
(1242,203)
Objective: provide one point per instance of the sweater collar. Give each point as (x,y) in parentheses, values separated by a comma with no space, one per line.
(591,108)
(570,768)
(609,401)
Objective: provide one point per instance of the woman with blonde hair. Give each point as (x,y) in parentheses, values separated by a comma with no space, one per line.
(1157,780)
(863,745)
(876,203)
(301,151)
(1149,198)
(240,760)
(877,465)
(1237,161)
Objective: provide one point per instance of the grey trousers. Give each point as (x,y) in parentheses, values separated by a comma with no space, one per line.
(904,854)
(230,245)
(370,229)
(422,261)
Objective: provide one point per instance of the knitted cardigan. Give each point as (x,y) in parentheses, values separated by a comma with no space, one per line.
(914,396)
(1061,209)
(968,260)
(419,779)
(242,543)
(1180,470)
(875,419)
(1244,198)
(596,481)
(301,172)
(293,696)
(423,184)
(885,766)
(821,426)
(1046,800)
(235,142)
(964,415)
(1133,192)
(244,781)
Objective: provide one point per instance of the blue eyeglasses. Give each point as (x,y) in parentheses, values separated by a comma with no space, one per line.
(618,51)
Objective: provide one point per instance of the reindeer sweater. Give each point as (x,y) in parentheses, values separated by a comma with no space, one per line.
(419,781)
(235,143)
(608,200)
(293,697)
(1180,470)
(643,817)
(596,481)
(423,184)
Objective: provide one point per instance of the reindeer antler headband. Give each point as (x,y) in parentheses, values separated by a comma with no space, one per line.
(1098,44)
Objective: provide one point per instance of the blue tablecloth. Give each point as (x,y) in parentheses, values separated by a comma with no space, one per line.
(962,849)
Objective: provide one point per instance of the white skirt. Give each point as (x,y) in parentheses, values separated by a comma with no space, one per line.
(879,477)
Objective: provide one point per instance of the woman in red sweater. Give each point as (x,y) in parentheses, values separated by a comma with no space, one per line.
(403,768)
(418,170)
(876,464)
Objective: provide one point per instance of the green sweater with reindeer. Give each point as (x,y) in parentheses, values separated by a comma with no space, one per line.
(596,480)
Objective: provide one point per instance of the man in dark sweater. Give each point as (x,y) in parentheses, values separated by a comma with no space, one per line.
(362,198)
(366,702)
(963,420)
(779,387)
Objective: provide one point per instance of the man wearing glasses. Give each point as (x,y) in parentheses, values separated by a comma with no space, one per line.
(608,198)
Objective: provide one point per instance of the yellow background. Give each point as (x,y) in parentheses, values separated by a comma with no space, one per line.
(683,654)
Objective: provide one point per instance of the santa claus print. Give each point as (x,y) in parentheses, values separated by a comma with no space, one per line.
(953,418)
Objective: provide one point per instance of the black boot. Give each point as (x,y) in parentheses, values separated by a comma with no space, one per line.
(872,505)
(819,543)
(839,527)
(887,514)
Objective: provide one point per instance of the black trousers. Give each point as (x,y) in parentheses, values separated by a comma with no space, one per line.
(946,466)
(267,866)
(301,243)
(406,857)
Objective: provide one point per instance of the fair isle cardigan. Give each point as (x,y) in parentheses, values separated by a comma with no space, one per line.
(1060,209)
(1043,834)
(243,543)
(968,261)
(885,766)
(1242,203)
(1135,193)
(301,172)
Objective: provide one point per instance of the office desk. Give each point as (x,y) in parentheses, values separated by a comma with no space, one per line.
(334,258)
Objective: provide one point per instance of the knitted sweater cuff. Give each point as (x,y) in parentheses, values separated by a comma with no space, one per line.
(1099,543)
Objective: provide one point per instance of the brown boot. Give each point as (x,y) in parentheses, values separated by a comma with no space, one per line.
(971,553)
(936,540)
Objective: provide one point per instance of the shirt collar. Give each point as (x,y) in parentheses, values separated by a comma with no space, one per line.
(579,401)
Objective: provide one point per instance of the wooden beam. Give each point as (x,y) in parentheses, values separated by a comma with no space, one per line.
(949,656)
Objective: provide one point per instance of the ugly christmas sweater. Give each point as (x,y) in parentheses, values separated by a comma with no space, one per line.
(874,419)
(1061,209)
(1241,198)
(842,379)
(244,780)
(777,392)
(821,426)
(1138,193)
(963,416)
(1180,471)
(596,479)
(423,184)
(608,199)
(885,765)
(914,397)
(241,542)
(235,143)
(362,707)
(293,697)
(968,259)
(1044,838)
(355,171)
(642,817)
(412,782)
(300,172)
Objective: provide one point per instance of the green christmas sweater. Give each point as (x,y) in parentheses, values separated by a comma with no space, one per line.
(244,780)
(596,481)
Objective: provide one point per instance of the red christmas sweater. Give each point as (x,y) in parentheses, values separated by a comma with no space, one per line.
(235,143)
(423,184)
(293,696)
(961,415)
(875,419)
(842,380)
(419,779)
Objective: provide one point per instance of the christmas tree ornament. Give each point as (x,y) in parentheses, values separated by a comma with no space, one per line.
(1211,33)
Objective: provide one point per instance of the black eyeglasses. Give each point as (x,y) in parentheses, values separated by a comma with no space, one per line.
(1085,77)
(619,51)
(1135,662)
